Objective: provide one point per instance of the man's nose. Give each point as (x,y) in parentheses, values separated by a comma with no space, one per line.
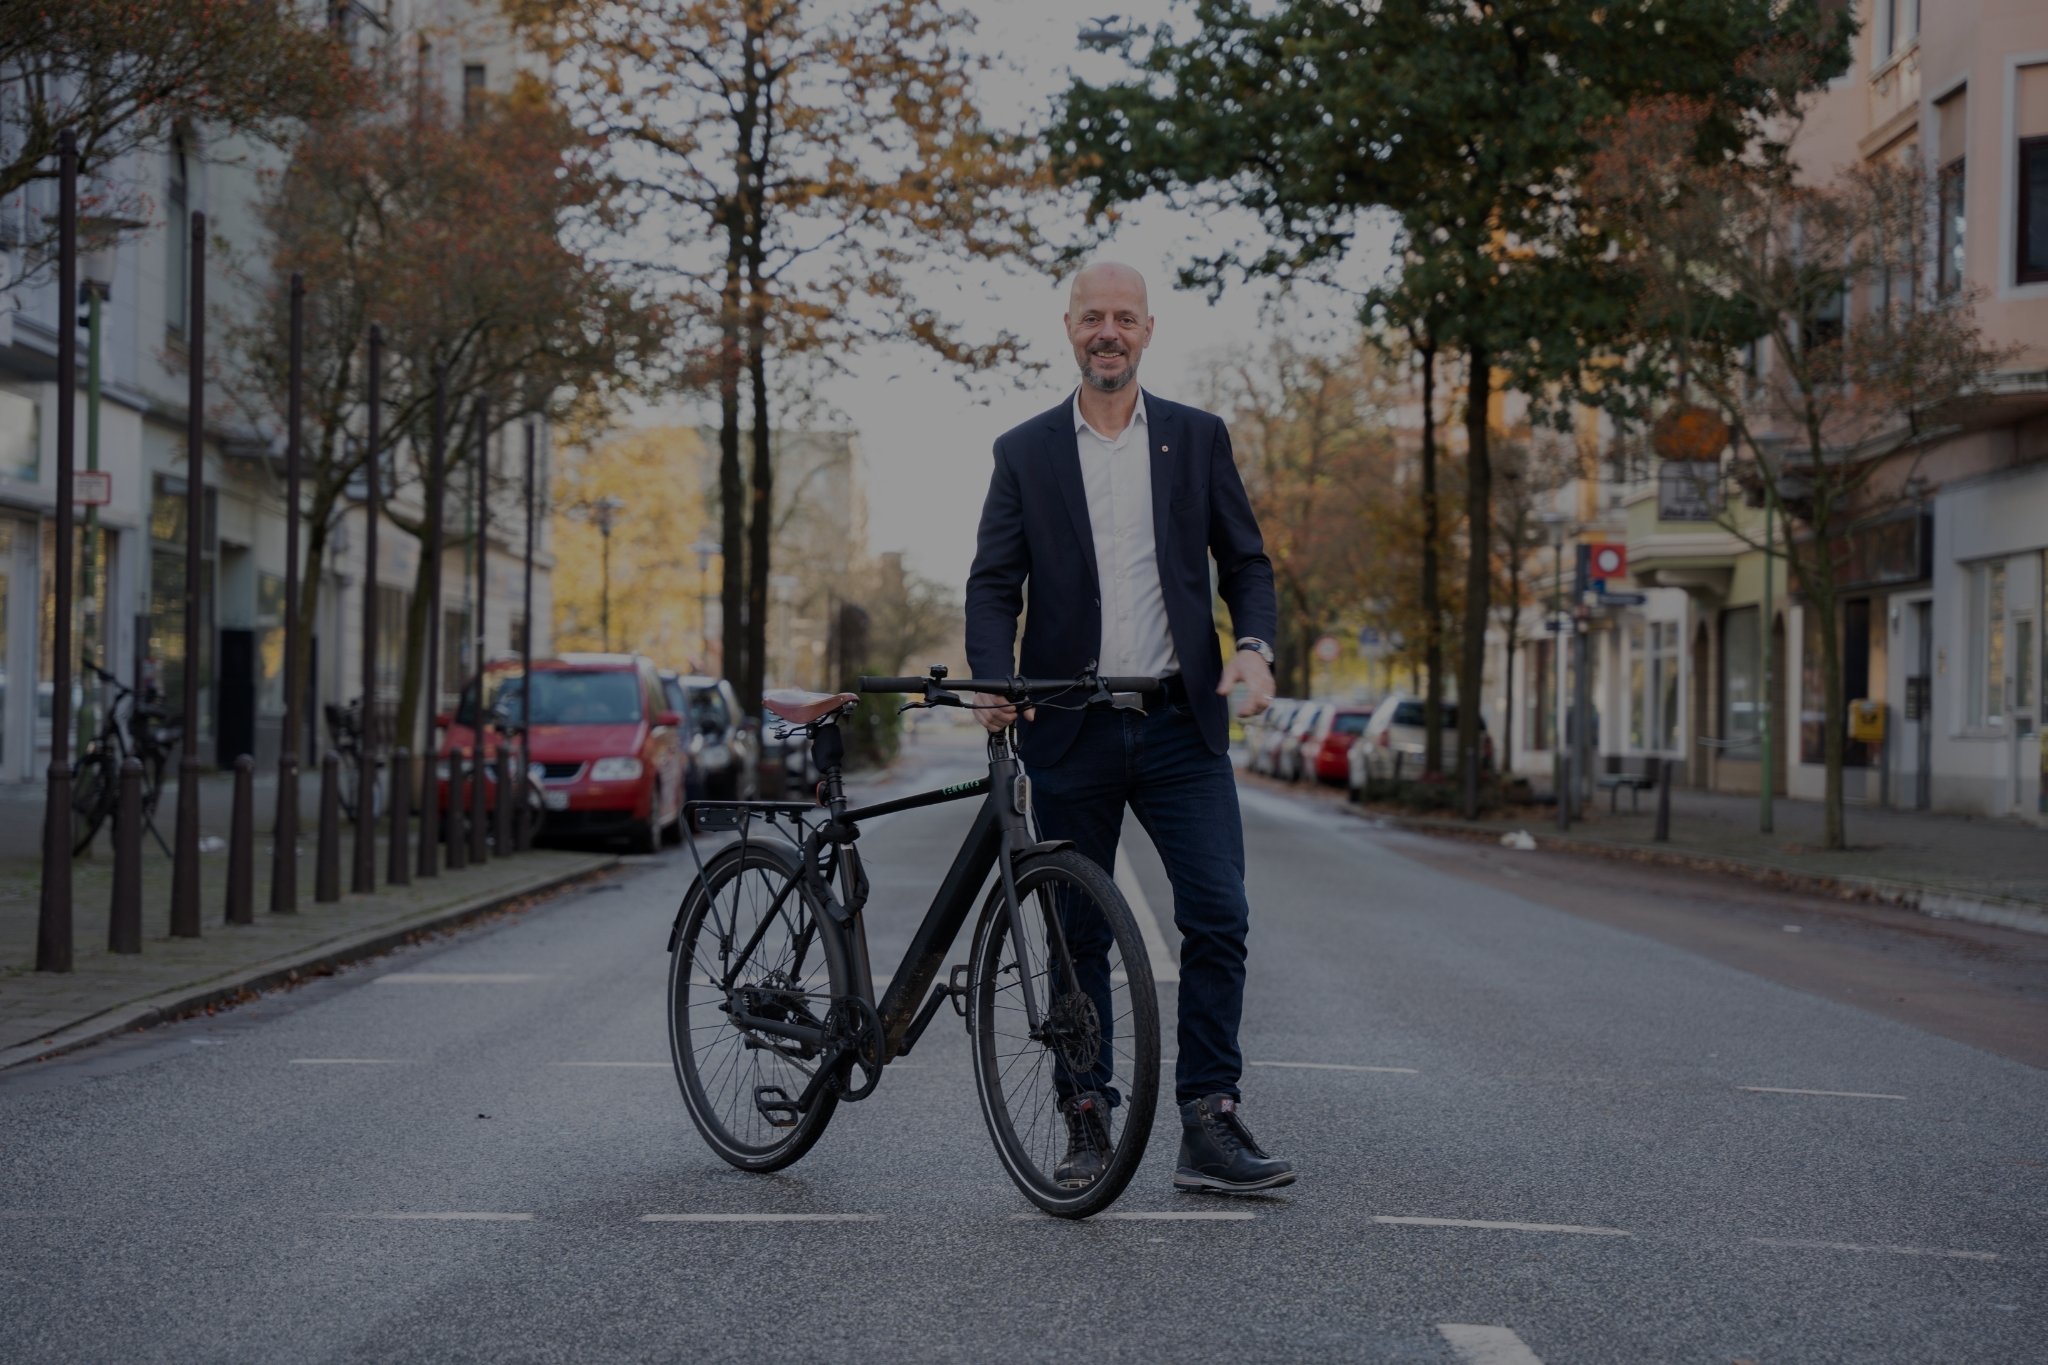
(1106,331)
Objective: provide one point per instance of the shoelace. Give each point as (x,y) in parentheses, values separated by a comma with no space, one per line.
(1227,1126)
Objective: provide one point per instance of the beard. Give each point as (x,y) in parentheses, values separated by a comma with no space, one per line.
(1108,383)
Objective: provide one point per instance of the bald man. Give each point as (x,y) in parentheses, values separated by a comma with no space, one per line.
(1103,515)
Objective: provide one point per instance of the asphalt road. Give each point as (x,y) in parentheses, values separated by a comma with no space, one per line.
(1543,1110)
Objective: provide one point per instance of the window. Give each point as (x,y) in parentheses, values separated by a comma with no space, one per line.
(2032,266)
(177,238)
(1742,687)
(21,436)
(472,90)
(1653,686)
(1987,644)
(1951,187)
(1895,24)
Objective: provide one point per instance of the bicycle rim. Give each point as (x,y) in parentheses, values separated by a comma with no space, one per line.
(722,1068)
(1098,1035)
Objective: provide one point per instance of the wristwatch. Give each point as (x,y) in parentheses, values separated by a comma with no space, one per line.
(1257,646)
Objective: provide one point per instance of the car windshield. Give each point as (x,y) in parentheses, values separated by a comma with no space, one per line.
(572,697)
(1350,723)
(707,709)
(1410,713)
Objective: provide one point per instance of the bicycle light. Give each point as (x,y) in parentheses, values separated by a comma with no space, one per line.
(1020,794)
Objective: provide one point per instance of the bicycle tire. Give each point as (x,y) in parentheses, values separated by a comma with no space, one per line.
(92,800)
(1022,1113)
(701,1032)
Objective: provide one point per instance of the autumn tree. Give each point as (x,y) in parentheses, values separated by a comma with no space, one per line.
(1531,469)
(1804,313)
(122,76)
(465,239)
(804,159)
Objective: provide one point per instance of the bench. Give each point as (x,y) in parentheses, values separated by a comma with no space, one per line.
(1637,774)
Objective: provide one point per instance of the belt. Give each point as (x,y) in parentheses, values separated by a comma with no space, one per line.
(1173,690)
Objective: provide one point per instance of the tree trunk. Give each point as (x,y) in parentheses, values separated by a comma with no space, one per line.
(1432,605)
(761,513)
(1507,720)
(1478,575)
(731,492)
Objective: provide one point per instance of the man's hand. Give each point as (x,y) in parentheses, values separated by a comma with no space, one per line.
(996,719)
(1248,668)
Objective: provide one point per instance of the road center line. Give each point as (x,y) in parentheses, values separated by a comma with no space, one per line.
(1487,1345)
(1165,963)
(659,1066)
(456,978)
(350,1061)
(1339,1066)
(1859,1246)
(760,1217)
(1500,1226)
(1830,1094)
(447,1217)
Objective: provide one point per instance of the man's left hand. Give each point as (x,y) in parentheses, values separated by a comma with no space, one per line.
(1248,668)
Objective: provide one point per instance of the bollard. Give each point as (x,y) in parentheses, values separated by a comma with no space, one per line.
(327,860)
(458,842)
(124,925)
(364,879)
(242,845)
(284,840)
(430,812)
(479,818)
(501,814)
(399,872)
(1663,835)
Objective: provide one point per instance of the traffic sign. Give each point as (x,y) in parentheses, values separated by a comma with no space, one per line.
(1610,561)
(1328,648)
(1622,599)
(92,487)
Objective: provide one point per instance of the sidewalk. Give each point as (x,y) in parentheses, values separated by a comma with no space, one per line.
(1990,871)
(105,993)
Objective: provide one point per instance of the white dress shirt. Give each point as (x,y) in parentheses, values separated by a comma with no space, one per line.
(1136,640)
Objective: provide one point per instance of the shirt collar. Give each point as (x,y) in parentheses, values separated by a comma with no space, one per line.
(1137,417)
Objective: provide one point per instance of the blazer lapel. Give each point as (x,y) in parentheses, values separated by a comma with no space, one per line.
(1163,445)
(1063,449)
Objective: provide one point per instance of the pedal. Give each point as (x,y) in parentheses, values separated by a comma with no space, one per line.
(774,1104)
(956,989)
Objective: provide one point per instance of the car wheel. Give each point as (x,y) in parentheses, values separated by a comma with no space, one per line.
(646,836)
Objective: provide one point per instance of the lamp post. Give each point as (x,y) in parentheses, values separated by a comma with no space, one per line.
(1557,524)
(604,512)
(704,549)
(53,919)
(284,833)
(185,855)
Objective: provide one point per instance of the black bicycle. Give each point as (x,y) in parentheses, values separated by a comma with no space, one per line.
(136,727)
(774,1019)
(345,727)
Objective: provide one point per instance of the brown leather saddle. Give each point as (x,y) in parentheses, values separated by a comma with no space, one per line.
(803,708)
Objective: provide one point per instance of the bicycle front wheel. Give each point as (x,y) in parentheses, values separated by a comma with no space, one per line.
(748,940)
(1069,1100)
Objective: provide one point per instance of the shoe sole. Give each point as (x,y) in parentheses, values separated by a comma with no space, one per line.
(1193,1182)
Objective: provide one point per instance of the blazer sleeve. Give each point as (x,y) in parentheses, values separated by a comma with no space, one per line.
(1244,575)
(995,585)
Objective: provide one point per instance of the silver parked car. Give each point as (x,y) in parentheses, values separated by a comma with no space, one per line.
(1393,742)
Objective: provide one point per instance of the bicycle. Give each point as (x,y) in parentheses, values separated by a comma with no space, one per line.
(771,995)
(134,727)
(345,725)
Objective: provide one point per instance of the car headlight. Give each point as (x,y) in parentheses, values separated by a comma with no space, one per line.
(615,770)
(537,770)
(716,755)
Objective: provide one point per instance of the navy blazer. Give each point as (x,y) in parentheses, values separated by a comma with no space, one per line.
(1036,550)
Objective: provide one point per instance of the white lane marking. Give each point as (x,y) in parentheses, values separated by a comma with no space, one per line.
(1165,964)
(456,978)
(1859,1246)
(1487,1345)
(1339,1066)
(349,1061)
(1500,1226)
(661,1066)
(760,1217)
(1139,1217)
(1831,1094)
(448,1217)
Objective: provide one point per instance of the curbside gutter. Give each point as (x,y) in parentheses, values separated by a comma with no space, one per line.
(1932,901)
(256,978)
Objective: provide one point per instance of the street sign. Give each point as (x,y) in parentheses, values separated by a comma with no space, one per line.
(1621,599)
(1328,648)
(1610,561)
(92,487)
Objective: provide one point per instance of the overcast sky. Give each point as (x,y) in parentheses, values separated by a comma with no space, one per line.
(926,438)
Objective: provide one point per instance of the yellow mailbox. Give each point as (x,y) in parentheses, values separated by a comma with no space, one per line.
(1866,721)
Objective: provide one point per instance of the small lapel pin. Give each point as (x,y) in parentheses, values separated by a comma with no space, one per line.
(1162,450)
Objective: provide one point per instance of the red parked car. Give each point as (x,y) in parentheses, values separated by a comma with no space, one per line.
(605,745)
(1329,744)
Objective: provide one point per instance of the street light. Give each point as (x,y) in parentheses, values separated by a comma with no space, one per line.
(704,549)
(785,584)
(605,512)
(1557,525)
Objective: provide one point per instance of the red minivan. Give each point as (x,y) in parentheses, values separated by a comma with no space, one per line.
(605,745)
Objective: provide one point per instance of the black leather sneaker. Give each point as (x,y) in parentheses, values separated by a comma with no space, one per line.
(1087,1140)
(1219,1155)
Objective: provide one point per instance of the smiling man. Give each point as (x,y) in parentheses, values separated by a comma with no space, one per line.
(1102,517)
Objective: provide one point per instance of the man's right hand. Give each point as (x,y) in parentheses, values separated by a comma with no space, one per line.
(996,719)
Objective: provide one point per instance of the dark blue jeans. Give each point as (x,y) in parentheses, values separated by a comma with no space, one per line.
(1186,798)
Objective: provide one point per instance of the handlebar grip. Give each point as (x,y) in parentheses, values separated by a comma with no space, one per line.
(866,684)
(1131,684)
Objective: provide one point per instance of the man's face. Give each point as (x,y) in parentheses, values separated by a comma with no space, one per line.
(1108,325)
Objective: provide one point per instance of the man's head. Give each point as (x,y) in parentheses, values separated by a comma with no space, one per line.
(1109,324)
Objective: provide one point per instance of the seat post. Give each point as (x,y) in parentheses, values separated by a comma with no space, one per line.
(828,746)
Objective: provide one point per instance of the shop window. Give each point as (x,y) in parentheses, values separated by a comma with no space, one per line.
(2032,265)
(1853,633)
(1742,691)
(1987,645)
(167,524)
(21,436)
(1653,686)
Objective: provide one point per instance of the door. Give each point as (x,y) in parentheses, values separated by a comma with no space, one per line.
(1920,704)
(2025,656)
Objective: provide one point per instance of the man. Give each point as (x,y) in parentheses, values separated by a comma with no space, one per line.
(1104,512)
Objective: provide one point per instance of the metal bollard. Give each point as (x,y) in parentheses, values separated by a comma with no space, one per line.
(364,879)
(124,924)
(479,817)
(399,870)
(241,898)
(284,841)
(458,842)
(1663,835)
(502,813)
(327,860)
(430,813)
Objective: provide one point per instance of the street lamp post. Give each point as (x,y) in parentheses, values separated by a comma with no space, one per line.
(53,920)
(1557,523)
(526,646)
(98,268)
(185,859)
(704,549)
(284,833)
(604,512)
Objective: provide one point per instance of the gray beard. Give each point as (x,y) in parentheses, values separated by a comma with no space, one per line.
(1102,385)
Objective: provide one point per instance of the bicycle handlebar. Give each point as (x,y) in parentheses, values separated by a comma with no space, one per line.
(1014,689)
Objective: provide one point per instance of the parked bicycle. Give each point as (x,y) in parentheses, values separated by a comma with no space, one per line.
(774,1019)
(345,729)
(133,727)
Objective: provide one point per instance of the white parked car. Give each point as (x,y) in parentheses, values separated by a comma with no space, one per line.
(1393,742)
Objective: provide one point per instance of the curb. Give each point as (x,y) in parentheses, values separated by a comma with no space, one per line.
(181,1001)
(1932,901)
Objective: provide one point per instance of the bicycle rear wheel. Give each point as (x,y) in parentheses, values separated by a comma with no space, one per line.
(92,799)
(747,923)
(1086,1080)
